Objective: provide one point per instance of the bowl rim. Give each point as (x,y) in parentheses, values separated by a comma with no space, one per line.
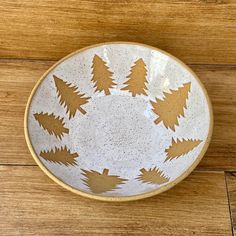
(117,198)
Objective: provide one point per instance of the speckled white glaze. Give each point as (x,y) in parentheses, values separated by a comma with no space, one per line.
(118,131)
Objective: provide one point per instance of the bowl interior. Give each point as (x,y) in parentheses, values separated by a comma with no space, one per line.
(118,121)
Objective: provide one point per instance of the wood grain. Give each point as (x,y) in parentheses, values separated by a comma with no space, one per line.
(221,86)
(231,187)
(196,31)
(17,79)
(31,204)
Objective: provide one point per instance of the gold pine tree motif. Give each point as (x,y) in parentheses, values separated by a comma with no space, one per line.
(60,156)
(54,125)
(172,107)
(101,182)
(70,97)
(179,148)
(136,83)
(152,176)
(102,76)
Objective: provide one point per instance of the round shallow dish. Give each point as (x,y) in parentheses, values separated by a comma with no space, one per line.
(118,121)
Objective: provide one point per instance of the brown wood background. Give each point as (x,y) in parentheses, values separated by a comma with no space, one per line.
(33,34)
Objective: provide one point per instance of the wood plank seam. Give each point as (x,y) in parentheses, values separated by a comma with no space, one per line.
(23,59)
(229,205)
(16,164)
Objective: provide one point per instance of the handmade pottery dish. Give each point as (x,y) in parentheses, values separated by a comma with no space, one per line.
(118,121)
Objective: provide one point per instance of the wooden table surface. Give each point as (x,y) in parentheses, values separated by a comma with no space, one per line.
(34,34)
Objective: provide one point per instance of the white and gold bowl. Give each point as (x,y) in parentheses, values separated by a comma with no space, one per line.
(118,121)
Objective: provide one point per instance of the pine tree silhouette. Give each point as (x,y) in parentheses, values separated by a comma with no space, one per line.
(136,83)
(60,156)
(152,176)
(172,107)
(101,182)
(102,76)
(54,125)
(69,97)
(179,148)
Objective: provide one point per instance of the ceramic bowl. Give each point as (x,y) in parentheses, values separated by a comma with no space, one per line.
(118,121)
